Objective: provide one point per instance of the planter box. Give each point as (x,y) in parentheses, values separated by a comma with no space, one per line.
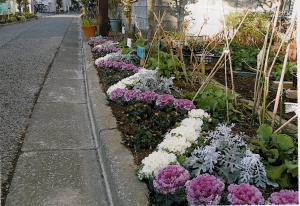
(292,94)
(286,84)
(209,59)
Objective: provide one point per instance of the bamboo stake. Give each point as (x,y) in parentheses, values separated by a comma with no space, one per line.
(280,85)
(286,123)
(230,62)
(266,76)
(258,85)
(287,36)
(159,27)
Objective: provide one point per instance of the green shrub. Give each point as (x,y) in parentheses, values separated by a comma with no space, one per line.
(251,32)
(12,19)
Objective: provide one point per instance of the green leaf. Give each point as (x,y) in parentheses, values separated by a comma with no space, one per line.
(170,62)
(230,95)
(264,132)
(286,181)
(125,50)
(275,155)
(292,168)
(285,143)
(218,92)
(274,172)
(258,144)
(181,159)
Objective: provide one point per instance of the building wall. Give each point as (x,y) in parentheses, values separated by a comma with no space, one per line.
(197,12)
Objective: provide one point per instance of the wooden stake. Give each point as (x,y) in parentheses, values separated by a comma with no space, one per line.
(279,91)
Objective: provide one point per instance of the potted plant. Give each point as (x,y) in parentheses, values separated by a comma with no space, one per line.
(115,15)
(88,26)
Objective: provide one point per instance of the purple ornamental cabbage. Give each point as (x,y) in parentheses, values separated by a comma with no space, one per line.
(101,63)
(128,67)
(205,189)
(131,95)
(117,94)
(170,178)
(97,40)
(184,104)
(164,99)
(244,194)
(137,69)
(148,96)
(118,64)
(109,64)
(284,197)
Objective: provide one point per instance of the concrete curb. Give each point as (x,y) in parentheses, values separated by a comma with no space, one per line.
(116,160)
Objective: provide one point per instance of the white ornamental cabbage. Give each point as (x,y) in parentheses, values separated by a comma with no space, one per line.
(114,56)
(195,123)
(131,80)
(189,133)
(174,144)
(154,162)
(199,113)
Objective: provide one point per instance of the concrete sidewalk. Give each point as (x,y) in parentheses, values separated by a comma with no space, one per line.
(72,152)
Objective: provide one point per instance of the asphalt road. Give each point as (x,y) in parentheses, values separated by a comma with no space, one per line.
(27,51)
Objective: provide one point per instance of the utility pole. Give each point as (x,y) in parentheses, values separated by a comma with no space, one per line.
(103,17)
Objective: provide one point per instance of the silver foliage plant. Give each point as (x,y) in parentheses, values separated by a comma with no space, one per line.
(150,81)
(227,156)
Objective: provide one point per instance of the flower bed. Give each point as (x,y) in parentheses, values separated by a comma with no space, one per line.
(190,161)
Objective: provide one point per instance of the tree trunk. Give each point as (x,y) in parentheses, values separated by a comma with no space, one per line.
(151,21)
(103,17)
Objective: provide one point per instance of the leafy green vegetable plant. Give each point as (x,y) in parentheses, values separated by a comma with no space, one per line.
(213,101)
(242,57)
(165,64)
(280,155)
(277,70)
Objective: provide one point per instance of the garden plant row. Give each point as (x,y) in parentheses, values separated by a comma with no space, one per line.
(195,157)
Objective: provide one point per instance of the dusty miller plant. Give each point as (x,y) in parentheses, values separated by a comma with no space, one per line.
(150,81)
(227,156)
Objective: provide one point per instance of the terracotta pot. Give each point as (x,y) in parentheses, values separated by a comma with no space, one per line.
(89,31)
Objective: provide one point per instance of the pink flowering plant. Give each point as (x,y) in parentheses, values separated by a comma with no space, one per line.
(148,97)
(93,41)
(244,194)
(205,189)
(184,105)
(102,51)
(169,184)
(164,99)
(132,95)
(284,197)
(117,95)
(170,178)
